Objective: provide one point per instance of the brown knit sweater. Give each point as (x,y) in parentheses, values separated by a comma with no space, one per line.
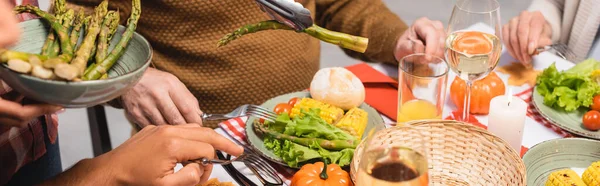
(258,66)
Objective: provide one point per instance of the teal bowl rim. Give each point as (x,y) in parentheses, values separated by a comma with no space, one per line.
(92,82)
(558,139)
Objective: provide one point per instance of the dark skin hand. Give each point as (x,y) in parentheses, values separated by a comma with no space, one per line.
(149,157)
(13,112)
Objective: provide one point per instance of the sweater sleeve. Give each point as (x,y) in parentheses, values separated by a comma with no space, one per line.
(552,11)
(367,18)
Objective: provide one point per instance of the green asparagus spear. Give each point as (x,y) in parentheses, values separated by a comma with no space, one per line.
(77,25)
(67,20)
(59,7)
(103,67)
(77,66)
(326,144)
(6,55)
(111,18)
(343,40)
(61,31)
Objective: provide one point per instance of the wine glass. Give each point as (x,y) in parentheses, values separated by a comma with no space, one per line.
(393,157)
(473,45)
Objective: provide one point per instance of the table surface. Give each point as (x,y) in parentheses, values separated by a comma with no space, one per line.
(533,133)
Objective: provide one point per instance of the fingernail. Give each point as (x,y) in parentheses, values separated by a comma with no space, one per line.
(61,111)
(531,48)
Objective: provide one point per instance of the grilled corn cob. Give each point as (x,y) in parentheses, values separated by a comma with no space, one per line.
(354,122)
(329,113)
(565,177)
(591,176)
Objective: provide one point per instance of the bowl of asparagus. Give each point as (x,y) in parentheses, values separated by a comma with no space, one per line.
(75,60)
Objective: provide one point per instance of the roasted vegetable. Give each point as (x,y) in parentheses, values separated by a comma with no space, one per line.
(19,66)
(347,41)
(77,66)
(102,67)
(78,23)
(49,45)
(6,55)
(326,144)
(591,176)
(354,122)
(61,31)
(565,177)
(321,174)
(329,113)
(111,21)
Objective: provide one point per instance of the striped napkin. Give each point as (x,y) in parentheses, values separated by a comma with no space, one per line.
(236,129)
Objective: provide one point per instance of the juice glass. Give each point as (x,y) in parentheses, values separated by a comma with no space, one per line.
(422,87)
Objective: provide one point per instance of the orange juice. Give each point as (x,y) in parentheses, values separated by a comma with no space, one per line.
(418,109)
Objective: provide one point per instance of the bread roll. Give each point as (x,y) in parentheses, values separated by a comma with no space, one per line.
(338,87)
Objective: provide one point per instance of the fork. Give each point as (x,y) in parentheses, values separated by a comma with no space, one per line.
(562,50)
(261,168)
(241,111)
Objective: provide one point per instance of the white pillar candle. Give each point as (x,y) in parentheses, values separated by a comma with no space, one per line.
(507,119)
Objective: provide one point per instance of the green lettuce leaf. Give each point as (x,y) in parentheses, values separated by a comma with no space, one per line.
(570,89)
(292,154)
(312,126)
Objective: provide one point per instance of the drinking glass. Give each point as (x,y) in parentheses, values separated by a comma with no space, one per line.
(389,159)
(473,45)
(422,87)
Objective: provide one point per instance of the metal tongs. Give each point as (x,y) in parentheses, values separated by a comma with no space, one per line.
(287,12)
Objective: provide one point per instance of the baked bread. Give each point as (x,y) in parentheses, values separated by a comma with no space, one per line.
(339,87)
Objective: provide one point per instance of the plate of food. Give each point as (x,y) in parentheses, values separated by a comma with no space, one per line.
(324,124)
(75,60)
(570,99)
(568,161)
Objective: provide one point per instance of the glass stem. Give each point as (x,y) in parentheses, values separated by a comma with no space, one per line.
(467,103)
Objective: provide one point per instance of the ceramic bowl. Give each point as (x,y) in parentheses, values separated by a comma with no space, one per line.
(122,76)
(552,155)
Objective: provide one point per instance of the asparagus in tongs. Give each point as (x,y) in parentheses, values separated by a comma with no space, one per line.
(103,66)
(77,66)
(61,31)
(343,40)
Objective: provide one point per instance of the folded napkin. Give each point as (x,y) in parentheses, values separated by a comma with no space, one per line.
(381,91)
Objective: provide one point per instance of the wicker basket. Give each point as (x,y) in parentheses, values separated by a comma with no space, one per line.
(458,154)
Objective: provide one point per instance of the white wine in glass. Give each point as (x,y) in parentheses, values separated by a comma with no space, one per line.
(474,44)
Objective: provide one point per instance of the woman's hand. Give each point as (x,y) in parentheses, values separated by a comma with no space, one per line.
(524,33)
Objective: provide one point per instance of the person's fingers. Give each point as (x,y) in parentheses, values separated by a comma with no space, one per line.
(36,110)
(207,135)
(169,110)
(6,121)
(187,105)
(430,35)
(535,31)
(138,117)
(190,174)
(514,38)
(544,41)
(207,171)
(506,40)
(150,111)
(9,29)
(523,34)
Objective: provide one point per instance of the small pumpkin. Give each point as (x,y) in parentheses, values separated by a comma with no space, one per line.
(482,93)
(321,174)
